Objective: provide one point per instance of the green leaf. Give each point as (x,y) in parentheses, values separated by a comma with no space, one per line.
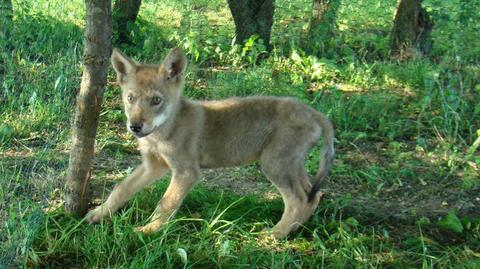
(451,222)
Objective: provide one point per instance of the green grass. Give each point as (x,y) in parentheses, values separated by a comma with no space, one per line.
(403,192)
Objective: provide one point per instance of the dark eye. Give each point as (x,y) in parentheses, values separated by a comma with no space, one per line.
(156,101)
(130,99)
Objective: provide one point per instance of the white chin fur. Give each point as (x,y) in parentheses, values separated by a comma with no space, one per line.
(162,118)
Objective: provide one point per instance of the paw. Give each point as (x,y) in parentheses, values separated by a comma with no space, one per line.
(272,235)
(150,228)
(95,215)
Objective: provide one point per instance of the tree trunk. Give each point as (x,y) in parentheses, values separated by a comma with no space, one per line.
(321,30)
(411,30)
(6,20)
(95,61)
(252,17)
(125,13)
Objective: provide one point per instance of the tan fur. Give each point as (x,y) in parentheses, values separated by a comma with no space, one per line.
(194,135)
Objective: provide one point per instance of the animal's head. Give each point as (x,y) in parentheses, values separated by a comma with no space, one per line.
(150,92)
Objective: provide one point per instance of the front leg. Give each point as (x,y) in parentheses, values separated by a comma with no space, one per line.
(150,170)
(182,182)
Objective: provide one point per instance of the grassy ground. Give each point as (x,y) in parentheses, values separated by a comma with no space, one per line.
(403,192)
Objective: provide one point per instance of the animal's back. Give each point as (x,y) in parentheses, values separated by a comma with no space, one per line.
(237,129)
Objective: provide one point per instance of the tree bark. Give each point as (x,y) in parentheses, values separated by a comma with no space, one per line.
(411,30)
(6,19)
(95,61)
(321,30)
(125,13)
(252,17)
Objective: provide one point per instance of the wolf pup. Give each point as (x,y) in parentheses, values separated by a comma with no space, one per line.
(184,136)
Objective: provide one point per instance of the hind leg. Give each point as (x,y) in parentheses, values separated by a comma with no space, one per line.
(282,162)
(297,207)
(309,206)
(291,217)
(288,176)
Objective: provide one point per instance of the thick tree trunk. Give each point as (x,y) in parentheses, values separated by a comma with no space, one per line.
(125,12)
(411,30)
(252,17)
(6,19)
(96,61)
(321,30)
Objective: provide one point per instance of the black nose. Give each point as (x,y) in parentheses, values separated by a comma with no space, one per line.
(136,128)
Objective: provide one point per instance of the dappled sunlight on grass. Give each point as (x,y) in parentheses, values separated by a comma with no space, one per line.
(375,16)
(164,15)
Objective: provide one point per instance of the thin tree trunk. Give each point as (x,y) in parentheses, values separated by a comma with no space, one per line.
(411,30)
(96,61)
(125,12)
(321,30)
(252,17)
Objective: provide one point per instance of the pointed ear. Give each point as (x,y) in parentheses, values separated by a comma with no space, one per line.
(175,64)
(122,64)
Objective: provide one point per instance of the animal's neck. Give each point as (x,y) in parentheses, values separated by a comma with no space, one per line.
(167,129)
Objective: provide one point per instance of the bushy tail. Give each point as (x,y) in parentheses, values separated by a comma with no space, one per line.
(326,156)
